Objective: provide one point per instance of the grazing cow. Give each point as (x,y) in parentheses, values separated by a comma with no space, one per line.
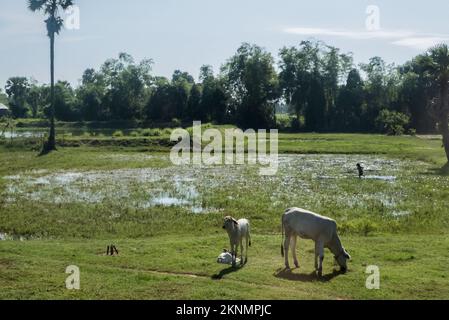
(237,230)
(309,225)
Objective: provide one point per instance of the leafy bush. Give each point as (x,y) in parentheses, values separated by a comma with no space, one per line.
(167,131)
(392,122)
(118,134)
(151,132)
(283,122)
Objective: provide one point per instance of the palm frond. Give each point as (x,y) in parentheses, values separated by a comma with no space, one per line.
(54,25)
(64,4)
(36,5)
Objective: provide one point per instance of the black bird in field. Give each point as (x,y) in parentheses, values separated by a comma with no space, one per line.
(360,169)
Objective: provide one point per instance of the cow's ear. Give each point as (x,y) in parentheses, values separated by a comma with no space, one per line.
(235,221)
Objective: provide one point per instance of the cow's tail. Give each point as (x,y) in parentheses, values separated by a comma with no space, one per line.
(282,234)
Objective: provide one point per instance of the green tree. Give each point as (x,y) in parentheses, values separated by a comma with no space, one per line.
(128,86)
(438,69)
(194,110)
(17,89)
(35,99)
(392,122)
(54,23)
(65,102)
(415,93)
(297,66)
(252,83)
(213,99)
(169,100)
(350,103)
(375,91)
(91,95)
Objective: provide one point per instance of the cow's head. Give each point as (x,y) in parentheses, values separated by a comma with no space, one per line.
(342,259)
(229,223)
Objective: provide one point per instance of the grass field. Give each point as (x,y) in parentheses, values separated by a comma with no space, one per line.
(65,208)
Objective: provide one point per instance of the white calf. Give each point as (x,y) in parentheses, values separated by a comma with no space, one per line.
(237,230)
(309,225)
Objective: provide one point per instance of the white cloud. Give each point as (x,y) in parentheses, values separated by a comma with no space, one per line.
(396,37)
(420,43)
(348,33)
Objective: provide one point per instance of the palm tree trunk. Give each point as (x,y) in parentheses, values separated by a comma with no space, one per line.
(51,143)
(444,122)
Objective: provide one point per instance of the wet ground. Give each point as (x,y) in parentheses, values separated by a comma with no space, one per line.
(302,180)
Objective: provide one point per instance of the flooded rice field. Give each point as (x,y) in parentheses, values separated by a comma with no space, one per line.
(311,181)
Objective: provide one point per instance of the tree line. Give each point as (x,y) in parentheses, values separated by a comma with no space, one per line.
(318,85)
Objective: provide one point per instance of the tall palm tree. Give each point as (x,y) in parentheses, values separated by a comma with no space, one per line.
(439,70)
(54,22)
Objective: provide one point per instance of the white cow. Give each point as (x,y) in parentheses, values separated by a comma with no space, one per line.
(309,225)
(237,230)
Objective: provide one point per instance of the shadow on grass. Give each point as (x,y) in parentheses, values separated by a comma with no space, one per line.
(444,171)
(225,272)
(44,152)
(287,274)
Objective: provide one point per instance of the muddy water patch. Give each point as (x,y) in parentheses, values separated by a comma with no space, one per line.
(141,188)
(302,180)
(16,237)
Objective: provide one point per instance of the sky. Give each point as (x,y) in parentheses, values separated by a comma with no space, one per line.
(185,34)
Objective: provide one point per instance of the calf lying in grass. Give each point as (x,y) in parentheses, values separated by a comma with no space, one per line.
(226,258)
(322,230)
(237,230)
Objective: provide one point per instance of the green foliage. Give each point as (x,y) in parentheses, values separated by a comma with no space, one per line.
(317,84)
(283,121)
(151,132)
(3,98)
(17,89)
(392,122)
(252,83)
(118,134)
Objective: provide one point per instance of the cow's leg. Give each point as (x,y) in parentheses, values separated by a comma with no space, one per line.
(236,253)
(233,253)
(241,252)
(295,258)
(246,252)
(286,247)
(319,252)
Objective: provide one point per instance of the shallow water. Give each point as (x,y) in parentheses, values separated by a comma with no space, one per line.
(383,178)
(302,180)
(22,134)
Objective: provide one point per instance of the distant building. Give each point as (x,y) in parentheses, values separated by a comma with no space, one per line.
(4,110)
